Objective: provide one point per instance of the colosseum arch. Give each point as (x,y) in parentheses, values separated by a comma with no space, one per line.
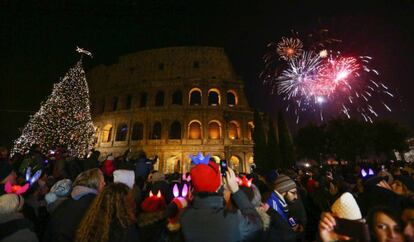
(137,131)
(115,102)
(121,132)
(177,98)
(143,100)
(250,127)
(232,99)
(159,99)
(106,133)
(234,130)
(195,96)
(172,165)
(156,130)
(128,101)
(214,97)
(194,130)
(214,129)
(175,130)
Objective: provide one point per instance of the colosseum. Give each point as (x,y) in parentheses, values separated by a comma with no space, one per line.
(173,102)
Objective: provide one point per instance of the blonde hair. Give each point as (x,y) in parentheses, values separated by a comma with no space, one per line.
(90,178)
(10,203)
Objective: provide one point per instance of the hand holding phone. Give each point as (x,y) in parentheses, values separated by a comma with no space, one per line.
(223,167)
(354,229)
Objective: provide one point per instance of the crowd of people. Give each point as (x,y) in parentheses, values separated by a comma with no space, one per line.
(57,198)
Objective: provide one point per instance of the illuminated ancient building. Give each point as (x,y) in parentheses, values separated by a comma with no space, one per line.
(173,102)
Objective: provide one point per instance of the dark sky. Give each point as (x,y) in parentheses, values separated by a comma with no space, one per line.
(38,37)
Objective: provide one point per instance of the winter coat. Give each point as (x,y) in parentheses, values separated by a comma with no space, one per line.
(207,220)
(143,167)
(66,218)
(279,229)
(108,168)
(15,228)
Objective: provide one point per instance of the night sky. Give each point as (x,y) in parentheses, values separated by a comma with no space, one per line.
(38,38)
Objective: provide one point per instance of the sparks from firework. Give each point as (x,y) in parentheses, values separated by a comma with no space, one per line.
(289,48)
(312,82)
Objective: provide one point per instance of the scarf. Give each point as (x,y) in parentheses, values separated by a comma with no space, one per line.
(277,202)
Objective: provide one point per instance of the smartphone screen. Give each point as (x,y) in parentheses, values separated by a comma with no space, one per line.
(223,167)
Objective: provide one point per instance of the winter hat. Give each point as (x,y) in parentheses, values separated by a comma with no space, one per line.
(346,207)
(283,184)
(5,170)
(206,177)
(126,177)
(61,188)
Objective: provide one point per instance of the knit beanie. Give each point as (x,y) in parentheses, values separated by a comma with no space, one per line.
(283,184)
(61,188)
(126,177)
(206,177)
(346,207)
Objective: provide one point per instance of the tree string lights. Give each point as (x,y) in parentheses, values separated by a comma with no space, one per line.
(64,119)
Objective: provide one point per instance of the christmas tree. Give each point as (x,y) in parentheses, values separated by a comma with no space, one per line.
(64,119)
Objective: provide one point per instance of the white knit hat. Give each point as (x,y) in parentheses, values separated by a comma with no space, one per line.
(126,177)
(346,207)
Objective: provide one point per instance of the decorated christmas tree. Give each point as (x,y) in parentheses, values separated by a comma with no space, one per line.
(64,119)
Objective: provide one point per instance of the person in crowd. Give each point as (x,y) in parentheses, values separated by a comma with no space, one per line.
(92,161)
(13,226)
(283,226)
(111,217)
(407,217)
(376,187)
(385,225)
(58,193)
(207,219)
(108,167)
(66,218)
(403,185)
(143,165)
(7,174)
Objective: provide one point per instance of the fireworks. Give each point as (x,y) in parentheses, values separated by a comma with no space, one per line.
(289,48)
(322,78)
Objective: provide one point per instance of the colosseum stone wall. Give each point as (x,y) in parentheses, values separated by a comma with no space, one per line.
(173,102)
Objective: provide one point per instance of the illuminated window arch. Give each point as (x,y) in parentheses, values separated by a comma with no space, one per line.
(195,96)
(234,130)
(235,163)
(214,97)
(194,129)
(250,127)
(175,130)
(121,132)
(115,103)
(107,133)
(214,130)
(156,131)
(159,99)
(232,99)
(177,98)
(137,131)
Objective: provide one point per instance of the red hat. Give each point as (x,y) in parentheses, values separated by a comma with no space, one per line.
(206,177)
(153,203)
